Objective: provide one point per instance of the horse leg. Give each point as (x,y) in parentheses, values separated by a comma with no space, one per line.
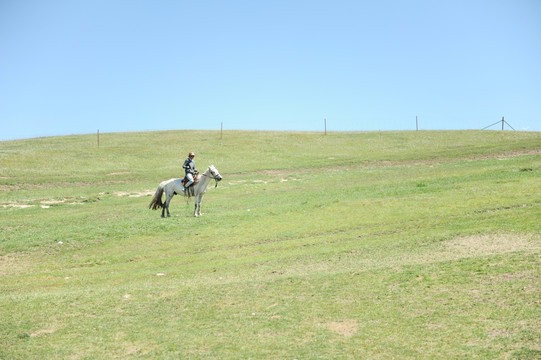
(199,204)
(166,205)
(163,208)
(195,209)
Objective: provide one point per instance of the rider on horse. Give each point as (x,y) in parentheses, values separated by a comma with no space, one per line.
(189,168)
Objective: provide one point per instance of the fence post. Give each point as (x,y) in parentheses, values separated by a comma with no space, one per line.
(98,138)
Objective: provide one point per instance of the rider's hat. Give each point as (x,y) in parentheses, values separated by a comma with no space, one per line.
(192,154)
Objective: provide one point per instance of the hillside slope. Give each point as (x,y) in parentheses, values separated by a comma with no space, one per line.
(351,245)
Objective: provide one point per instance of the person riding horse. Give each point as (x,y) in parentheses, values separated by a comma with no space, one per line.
(189,168)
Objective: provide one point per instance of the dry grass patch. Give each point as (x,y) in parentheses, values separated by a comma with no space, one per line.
(481,245)
(13,264)
(346,328)
(42,332)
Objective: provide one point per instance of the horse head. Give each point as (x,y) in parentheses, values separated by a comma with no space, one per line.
(214,173)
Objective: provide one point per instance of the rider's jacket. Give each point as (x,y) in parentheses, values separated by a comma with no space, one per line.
(189,166)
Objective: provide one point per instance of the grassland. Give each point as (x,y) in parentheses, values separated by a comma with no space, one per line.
(406,245)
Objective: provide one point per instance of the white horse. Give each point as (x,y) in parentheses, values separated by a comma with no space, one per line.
(174,186)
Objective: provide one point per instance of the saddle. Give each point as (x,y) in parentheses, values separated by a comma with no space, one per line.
(195,180)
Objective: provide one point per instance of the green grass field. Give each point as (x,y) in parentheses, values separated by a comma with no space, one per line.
(378,245)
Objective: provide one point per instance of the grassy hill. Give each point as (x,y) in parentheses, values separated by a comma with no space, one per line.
(374,245)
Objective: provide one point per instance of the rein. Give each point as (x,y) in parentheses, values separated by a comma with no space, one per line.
(215,186)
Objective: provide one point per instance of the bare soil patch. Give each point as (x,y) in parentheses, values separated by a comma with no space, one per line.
(134,194)
(46,204)
(16,205)
(58,184)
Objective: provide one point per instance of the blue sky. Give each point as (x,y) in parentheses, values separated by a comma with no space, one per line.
(73,67)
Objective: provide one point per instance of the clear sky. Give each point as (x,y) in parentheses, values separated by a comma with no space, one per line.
(76,66)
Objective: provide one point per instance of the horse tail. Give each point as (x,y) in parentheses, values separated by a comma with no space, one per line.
(156,201)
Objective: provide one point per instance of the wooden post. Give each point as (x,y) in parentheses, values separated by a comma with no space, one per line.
(325,126)
(98,138)
(503,122)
